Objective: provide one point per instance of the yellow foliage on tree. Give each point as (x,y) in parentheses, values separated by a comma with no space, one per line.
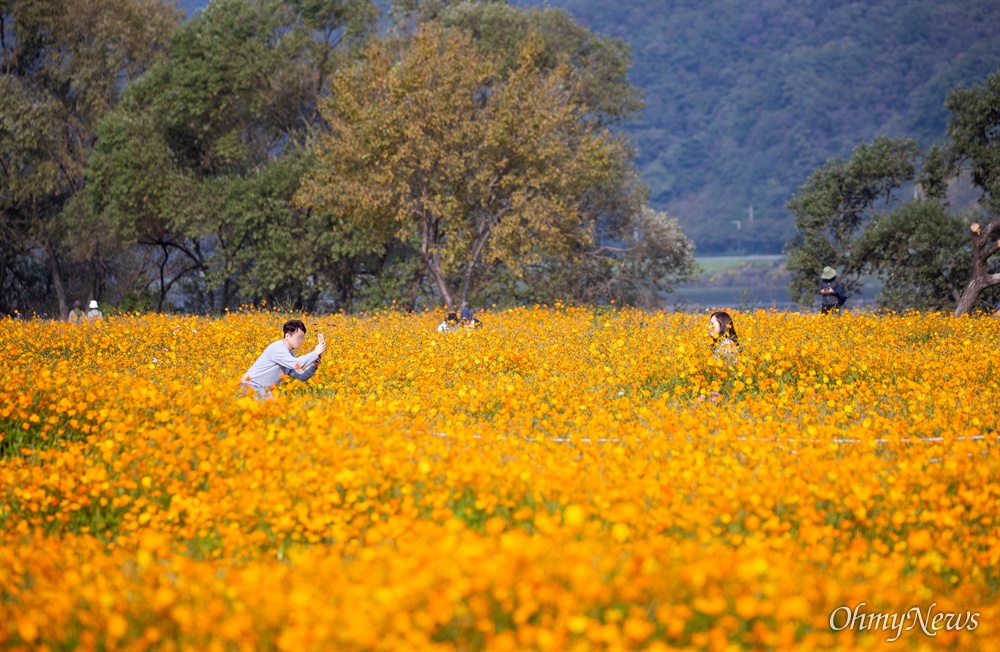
(431,145)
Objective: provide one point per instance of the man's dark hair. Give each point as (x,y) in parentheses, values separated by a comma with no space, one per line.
(294,325)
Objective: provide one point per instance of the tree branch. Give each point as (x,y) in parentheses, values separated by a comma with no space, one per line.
(431,262)
(991,227)
(991,249)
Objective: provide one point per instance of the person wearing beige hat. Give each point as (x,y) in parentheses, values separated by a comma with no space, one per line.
(94,311)
(831,291)
(77,314)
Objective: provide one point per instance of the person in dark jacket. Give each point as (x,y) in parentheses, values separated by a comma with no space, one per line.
(832,292)
(468,321)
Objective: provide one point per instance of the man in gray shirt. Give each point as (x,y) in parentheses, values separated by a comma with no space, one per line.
(277,361)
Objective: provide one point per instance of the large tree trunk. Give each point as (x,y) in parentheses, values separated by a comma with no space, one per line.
(57,279)
(431,260)
(981,279)
(439,280)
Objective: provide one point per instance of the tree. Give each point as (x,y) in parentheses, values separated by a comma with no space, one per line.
(596,68)
(480,170)
(655,257)
(63,64)
(202,159)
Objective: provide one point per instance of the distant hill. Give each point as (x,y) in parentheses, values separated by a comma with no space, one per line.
(744,98)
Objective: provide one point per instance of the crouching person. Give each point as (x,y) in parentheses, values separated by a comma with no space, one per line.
(468,321)
(277,361)
(449,325)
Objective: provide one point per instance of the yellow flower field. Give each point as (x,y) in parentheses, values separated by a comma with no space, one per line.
(560,479)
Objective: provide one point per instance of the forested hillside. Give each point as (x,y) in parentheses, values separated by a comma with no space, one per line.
(745,97)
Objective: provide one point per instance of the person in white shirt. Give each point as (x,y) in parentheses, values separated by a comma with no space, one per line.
(449,325)
(94,312)
(277,361)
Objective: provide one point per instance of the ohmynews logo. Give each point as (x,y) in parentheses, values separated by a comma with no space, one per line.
(930,624)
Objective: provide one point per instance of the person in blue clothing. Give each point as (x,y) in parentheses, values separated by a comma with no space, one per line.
(831,291)
(467,320)
(277,361)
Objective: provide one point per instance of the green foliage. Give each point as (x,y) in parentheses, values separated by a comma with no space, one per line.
(181,188)
(139,300)
(920,251)
(201,160)
(975,133)
(62,65)
(645,258)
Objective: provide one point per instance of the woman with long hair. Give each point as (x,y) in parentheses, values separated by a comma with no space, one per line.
(725,342)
